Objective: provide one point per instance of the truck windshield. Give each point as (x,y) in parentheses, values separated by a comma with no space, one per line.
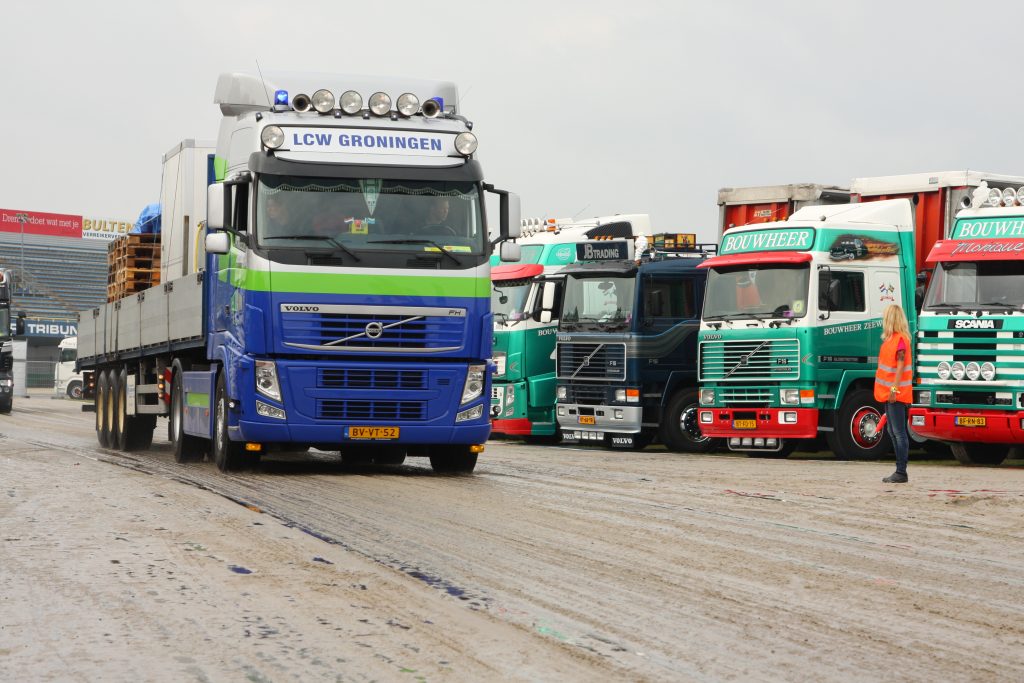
(976,285)
(600,303)
(768,291)
(406,215)
(508,302)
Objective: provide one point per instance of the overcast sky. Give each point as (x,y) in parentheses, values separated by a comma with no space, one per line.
(583,108)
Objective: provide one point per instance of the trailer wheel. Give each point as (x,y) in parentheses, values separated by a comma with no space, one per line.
(680,427)
(187,448)
(227,454)
(119,429)
(104,410)
(855,436)
(979,453)
(452,459)
(74,389)
(6,406)
(140,432)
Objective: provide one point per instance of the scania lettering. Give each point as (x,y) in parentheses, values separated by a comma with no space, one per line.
(790,337)
(526,301)
(970,363)
(326,284)
(626,349)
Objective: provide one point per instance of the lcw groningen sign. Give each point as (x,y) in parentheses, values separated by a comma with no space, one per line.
(780,239)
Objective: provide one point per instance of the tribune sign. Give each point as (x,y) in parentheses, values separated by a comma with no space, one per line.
(61,225)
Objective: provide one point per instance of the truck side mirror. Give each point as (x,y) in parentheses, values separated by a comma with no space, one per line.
(545,317)
(510,220)
(218,243)
(511,252)
(547,298)
(19,324)
(215,207)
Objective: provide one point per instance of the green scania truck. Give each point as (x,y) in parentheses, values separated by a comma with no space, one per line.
(791,327)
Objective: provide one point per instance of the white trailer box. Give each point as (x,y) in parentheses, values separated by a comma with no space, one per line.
(183,206)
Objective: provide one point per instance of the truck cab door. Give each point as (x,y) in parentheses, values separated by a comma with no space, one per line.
(228,270)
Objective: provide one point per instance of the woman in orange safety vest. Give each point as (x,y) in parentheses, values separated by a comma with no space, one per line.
(893,385)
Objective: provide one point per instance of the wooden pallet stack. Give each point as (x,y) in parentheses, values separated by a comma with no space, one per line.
(133,264)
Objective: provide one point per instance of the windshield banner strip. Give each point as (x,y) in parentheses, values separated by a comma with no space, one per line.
(977,250)
(777,239)
(403,285)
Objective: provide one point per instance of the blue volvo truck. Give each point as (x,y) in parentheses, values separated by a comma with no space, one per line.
(333,291)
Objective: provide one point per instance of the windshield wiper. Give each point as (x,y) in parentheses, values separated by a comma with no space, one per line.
(430,242)
(1000,304)
(330,240)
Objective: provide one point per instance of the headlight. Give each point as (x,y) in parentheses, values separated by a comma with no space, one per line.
(465,143)
(973,370)
(266,379)
(408,104)
(380,103)
(943,369)
(473,413)
(267,410)
(562,393)
(323,101)
(988,371)
(351,102)
(620,395)
(995,197)
(958,370)
(789,397)
(474,383)
(1020,196)
(272,137)
(1009,196)
(924,397)
(707,396)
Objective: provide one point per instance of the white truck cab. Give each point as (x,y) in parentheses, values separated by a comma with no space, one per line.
(66,381)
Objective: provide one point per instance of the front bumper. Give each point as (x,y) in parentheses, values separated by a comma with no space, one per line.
(720,423)
(604,418)
(998,426)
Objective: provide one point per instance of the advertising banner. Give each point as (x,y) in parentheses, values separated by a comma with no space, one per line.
(38,223)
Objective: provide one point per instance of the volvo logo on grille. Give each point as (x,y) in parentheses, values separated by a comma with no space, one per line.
(374,330)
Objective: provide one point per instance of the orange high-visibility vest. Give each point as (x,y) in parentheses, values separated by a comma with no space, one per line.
(885,376)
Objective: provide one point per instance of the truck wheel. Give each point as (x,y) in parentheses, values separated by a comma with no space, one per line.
(979,453)
(452,459)
(187,448)
(6,406)
(227,454)
(140,432)
(105,410)
(680,429)
(74,389)
(854,436)
(119,431)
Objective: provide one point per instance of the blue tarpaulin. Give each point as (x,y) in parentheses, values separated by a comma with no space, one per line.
(148,221)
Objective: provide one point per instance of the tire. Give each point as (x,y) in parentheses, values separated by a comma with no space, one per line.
(452,459)
(850,439)
(680,430)
(187,448)
(119,430)
(75,390)
(140,432)
(6,406)
(104,409)
(979,453)
(227,454)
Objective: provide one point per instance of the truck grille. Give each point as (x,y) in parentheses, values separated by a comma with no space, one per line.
(593,362)
(343,378)
(733,396)
(345,409)
(349,330)
(740,360)
(587,395)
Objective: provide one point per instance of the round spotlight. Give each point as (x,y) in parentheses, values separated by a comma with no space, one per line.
(380,103)
(1020,196)
(272,137)
(351,102)
(408,104)
(465,143)
(995,197)
(958,370)
(323,101)
(1009,196)
(988,371)
(943,369)
(973,370)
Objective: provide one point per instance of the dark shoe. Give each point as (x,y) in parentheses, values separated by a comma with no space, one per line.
(896,478)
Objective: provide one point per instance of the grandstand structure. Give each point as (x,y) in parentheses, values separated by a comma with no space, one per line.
(61,276)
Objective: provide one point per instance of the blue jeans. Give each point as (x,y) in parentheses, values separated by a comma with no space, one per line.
(896,423)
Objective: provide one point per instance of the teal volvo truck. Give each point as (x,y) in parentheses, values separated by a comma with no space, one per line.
(526,299)
(791,327)
(970,341)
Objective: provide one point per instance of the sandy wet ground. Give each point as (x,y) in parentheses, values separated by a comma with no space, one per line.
(549,563)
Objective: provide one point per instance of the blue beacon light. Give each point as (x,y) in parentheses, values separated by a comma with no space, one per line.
(281,97)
